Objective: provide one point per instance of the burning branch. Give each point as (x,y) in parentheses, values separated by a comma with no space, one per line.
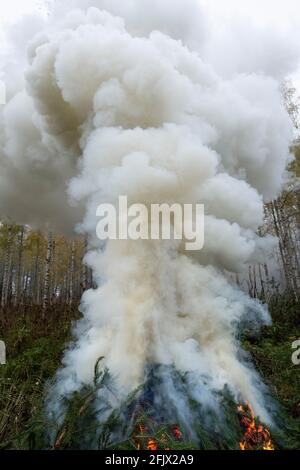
(256,436)
(143,437)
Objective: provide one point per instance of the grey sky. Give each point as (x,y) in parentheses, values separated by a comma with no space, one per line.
(282,14)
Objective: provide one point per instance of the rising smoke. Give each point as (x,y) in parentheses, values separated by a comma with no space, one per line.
(122,98)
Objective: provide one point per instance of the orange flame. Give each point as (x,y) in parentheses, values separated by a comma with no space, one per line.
(177,433)
(152,444)
(143,440)
(255,434)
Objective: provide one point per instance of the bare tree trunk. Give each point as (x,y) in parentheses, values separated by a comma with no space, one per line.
(262,283)
(285,246)
(72,272)
(37,275)
(52,271)
(19,269)
(7,266)
(46,296)
(85,267)
(279,235)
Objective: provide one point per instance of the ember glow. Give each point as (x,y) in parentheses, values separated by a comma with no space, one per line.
(152,444)
(256,436)
(177,433)
(143,436)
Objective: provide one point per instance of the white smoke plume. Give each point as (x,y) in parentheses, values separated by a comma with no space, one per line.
(116,98)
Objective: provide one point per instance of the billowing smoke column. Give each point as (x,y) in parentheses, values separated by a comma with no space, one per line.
(121,106)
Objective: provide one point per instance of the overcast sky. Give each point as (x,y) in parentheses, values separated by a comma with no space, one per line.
(283,14)
(12,9)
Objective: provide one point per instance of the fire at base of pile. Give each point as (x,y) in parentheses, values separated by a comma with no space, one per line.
(148,420)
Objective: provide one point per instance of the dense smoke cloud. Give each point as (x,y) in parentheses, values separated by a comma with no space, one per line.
(232,49)
(119,100)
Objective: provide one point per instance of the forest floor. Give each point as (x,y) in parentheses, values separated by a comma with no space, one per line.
(35,347)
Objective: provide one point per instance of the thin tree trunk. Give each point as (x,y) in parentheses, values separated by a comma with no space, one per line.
(7,266)
(86,269)
(46,296)
(19,270)
(72,272)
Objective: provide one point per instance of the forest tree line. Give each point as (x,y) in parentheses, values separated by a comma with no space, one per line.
(41,269)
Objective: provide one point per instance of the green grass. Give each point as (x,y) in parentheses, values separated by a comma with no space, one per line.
(35,348)
(272,356)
